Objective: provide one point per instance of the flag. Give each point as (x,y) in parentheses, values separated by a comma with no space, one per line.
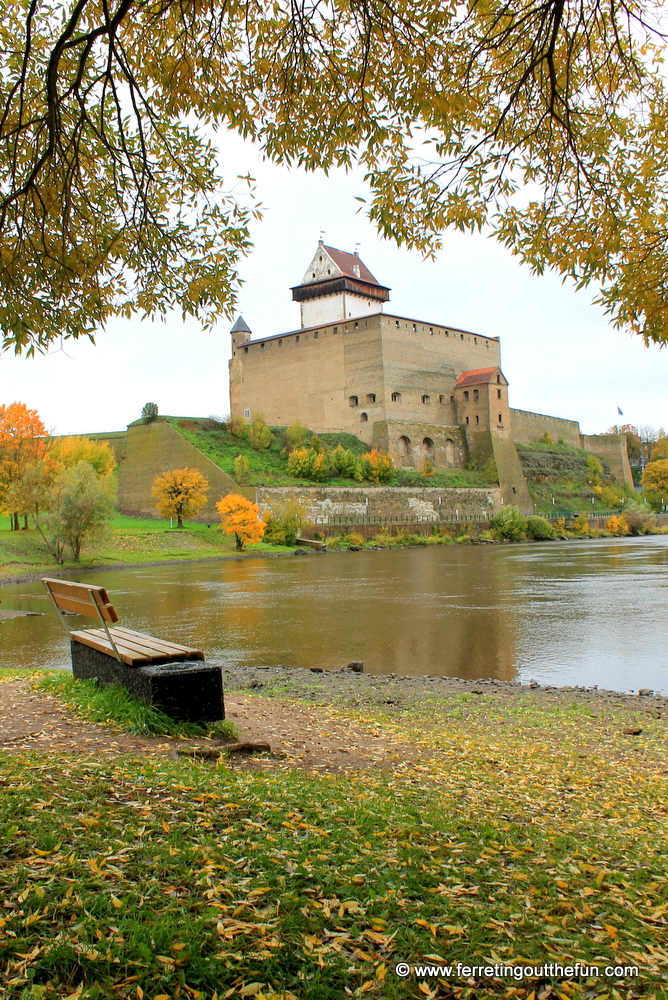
(620,412)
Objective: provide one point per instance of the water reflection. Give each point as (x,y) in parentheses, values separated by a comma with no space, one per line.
(578,613)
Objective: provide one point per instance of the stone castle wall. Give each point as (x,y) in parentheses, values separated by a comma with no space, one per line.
(313,375)
(528,427)
(331,504)
(612,450)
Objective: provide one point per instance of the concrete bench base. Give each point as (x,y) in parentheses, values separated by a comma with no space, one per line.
(191,690)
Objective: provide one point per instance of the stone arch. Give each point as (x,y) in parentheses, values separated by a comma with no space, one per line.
(364,417)
(450,452)
(428,448)
(405,448)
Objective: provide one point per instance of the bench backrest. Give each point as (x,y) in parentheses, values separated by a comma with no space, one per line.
(81,598)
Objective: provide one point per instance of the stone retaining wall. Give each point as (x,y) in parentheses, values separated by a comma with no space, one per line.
(334,504)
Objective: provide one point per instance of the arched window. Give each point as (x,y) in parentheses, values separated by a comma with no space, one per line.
(426,399)
(466,395)
(476,394)
(500,418)
(364,417)
(396,397)
(441,398)
(405,448)
(477,419)
(498,379)
(353,400)
(371,397)
(498,394)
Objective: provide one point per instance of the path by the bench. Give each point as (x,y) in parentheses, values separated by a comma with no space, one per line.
(305,736)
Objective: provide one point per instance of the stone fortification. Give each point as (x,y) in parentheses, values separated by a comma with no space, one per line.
(354,375)
(529,427)
(613,452)
(333,504)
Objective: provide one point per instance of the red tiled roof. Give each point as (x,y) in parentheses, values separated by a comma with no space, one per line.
(476,376)
(347,261)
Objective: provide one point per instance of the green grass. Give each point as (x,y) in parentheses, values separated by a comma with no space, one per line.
(561,472)
(131,541)
(113,705)
(522,833)
(269,468)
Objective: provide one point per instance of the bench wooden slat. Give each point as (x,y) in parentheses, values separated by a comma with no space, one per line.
(163,644)
(150,653)
(129,656)
(134,648)
(81,598)
(153,648)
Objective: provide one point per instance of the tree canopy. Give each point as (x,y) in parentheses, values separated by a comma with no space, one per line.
(544,121)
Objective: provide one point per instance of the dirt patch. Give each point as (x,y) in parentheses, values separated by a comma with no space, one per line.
(309,737)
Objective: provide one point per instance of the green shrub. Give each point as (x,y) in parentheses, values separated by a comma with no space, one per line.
(295,436)
(305,463)
(284,525)
(539,527)
(342,462)
(354,539)
(241,469)
(581,524)
(259,435)
(491,470)
(510,523)
(594,469)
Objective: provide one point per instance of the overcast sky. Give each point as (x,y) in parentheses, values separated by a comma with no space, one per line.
(558,351)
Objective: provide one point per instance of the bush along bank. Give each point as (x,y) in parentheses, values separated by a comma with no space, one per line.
(509,525)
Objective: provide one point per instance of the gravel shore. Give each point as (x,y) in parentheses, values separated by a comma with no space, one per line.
(347,687)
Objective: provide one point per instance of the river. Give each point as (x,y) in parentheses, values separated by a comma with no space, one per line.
(585,612)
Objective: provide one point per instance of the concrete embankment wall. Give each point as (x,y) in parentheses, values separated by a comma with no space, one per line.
(335,504)
(528,427)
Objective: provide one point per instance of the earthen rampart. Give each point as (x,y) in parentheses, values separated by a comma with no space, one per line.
(155,448)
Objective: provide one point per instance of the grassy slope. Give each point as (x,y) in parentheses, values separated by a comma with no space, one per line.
(560,472)
(130,541)
(515,837)
(269,468)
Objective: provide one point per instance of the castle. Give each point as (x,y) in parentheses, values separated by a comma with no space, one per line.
(418,390)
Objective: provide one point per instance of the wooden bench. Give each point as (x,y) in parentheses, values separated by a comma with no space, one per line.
(159,672)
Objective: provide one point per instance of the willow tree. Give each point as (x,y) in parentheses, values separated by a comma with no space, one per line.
(543,120)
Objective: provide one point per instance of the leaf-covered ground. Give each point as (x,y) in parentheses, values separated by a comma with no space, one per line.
(524,831)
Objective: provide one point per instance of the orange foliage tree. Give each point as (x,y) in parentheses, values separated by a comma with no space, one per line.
(22,445)
(70,450)
(240,517)
(376,466)
(180,493)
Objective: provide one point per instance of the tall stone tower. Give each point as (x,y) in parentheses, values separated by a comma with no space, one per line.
(337,286)
(241,334)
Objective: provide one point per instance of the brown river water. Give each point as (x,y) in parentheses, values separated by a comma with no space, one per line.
(585,612)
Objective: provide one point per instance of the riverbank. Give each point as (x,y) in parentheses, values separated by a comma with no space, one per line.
(133,543)
(521,827)
(130,543)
